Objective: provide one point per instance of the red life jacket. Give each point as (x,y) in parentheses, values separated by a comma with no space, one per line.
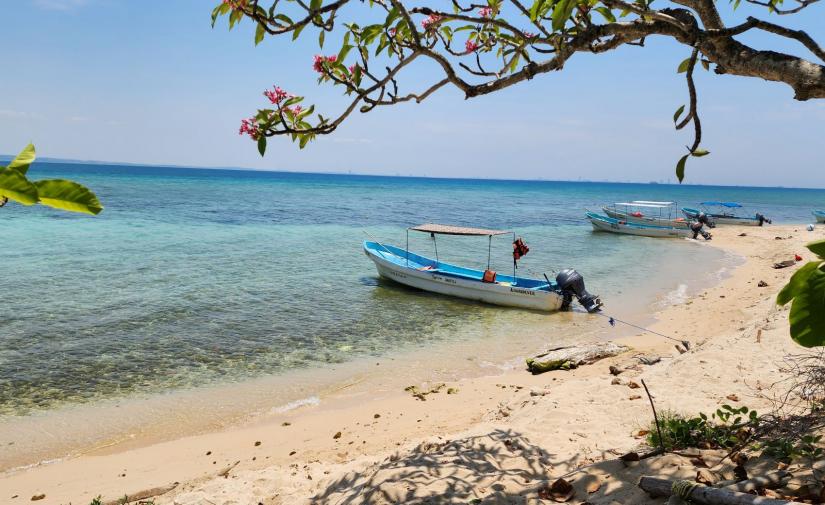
(519,249)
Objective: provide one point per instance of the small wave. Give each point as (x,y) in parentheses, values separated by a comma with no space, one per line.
(676,297)
(303,402)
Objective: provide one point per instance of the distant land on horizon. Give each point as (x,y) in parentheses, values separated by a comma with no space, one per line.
(8,157)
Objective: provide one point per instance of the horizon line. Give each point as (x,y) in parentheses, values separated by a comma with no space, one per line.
(52,160)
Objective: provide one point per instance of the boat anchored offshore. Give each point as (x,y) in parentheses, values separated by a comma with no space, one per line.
(647,212)
(410,269)
(725,213)
(819,215)
(613,225)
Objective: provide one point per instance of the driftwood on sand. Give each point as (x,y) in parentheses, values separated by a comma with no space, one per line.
(705,495)
(567,358)
(772,480)
(142,495)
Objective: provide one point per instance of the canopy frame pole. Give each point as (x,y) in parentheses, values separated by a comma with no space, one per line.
(435,244)
(408,247)
(489,249)
(514,262)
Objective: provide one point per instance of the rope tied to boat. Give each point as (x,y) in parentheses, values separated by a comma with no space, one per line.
(613,320)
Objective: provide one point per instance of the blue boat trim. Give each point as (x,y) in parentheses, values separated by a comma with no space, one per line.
(417,262)
(693,213)
(730,205)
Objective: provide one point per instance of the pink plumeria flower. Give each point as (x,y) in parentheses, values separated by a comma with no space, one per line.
(485,12)
(430,21)
(276,95)
(470,46)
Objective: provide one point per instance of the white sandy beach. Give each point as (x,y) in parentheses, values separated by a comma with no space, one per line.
(497,438)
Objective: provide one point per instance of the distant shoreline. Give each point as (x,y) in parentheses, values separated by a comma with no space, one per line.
(53,161)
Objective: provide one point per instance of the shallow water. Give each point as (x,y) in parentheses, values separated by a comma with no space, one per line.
(191,278)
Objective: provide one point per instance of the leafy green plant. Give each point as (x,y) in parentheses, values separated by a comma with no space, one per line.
(806,291)
(58,193)
(727,427)
(786,449)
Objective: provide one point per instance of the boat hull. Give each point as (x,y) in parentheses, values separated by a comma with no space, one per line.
(615,226)
(819,215)
(675,223)
(719,219)
(492,293)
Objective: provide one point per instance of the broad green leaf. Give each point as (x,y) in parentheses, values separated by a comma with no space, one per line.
(534,10)
(678,113)
(67,195)
(315,5)
(817,248)
(606,14)
(561,13)
(260,32)
(796,284)
(22,161)
(15,186)
(683,66)
(700,152)
(321,36)
(680,168)
(297,32)
(807,315)
(262,144)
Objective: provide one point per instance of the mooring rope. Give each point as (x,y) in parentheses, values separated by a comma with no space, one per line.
(613,320)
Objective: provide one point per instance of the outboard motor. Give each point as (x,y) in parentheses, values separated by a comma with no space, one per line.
(762,219)
(571,284)
(703,218)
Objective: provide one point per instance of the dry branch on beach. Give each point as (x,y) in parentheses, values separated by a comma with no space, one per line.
(705,495)
(566,358)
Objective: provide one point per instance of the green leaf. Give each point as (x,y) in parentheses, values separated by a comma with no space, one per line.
(68,195)
(534,10)
(321,36)
(683,66)
(807,315)
(260,32)
(680,168)
(262,145)
(678,113)
(606,14)
(315,5)
(561,13)
(22,161)
(297,32)
(817,248)
(796,283)
(699,153)
(15,186)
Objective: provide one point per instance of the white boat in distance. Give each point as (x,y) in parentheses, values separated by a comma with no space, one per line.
(725,213)
(414,270)
(819,215)
(613,225)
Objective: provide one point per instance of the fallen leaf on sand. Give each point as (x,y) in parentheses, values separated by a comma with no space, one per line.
(38,497)
(630,456)
(704,476)
(337,436)
(593,486)
(559,491)
(633,385)
(732,397)
(635,397)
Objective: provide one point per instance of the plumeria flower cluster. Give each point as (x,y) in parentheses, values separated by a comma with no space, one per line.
(235,4)
(250,127)
(277,95)
(430,22)
(318,62)
(470,46)
(485,12)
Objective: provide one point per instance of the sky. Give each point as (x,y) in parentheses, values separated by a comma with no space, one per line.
(151,82)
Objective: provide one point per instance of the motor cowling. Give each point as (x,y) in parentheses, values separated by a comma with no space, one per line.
(571,283)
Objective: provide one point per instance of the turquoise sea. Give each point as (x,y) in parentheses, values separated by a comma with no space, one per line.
(196,277)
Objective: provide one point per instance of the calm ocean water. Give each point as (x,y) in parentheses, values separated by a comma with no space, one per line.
(194,277)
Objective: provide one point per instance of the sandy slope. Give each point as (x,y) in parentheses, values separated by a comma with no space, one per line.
(498,438)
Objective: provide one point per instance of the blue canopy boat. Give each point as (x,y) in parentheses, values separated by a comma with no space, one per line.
(725,213)
(819,215)
(405,267)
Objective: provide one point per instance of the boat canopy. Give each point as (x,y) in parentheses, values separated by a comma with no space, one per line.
(730,205)
(443,229)
(655,205)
